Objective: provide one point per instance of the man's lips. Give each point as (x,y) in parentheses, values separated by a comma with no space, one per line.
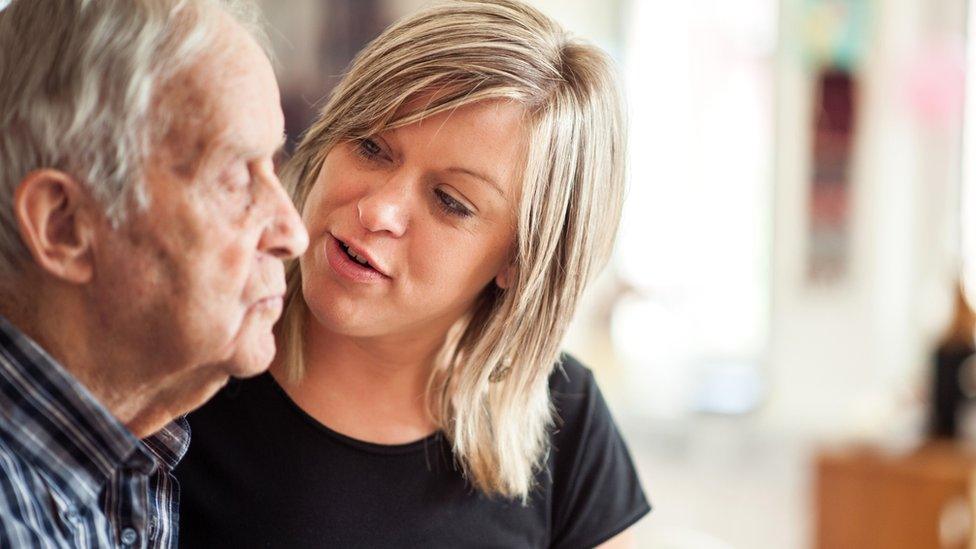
(275,301)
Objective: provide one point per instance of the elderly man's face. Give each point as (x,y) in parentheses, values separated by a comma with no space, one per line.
(195,281)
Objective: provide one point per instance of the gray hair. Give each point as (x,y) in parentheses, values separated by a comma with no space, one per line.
(78,86)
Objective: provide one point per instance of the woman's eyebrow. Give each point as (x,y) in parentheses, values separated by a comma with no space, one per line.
(477,175)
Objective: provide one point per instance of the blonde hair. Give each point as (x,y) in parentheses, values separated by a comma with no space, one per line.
(489,393)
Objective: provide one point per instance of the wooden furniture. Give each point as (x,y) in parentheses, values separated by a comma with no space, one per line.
(867,499)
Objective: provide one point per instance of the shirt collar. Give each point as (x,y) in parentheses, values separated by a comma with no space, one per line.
(170,443)
(56,424)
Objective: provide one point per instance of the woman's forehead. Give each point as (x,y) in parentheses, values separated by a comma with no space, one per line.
(484,139)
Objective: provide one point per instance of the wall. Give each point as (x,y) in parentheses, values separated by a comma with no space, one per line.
(851,358)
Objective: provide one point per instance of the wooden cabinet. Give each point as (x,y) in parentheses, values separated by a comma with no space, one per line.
(868,499)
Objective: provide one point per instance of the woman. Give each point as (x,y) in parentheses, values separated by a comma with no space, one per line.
(462,185)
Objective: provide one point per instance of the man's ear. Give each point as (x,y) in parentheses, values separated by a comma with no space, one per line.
(55,217)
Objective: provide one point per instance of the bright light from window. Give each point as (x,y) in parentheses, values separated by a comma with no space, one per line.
(695,237)
(968,191)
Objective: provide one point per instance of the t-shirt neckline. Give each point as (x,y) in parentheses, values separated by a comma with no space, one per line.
(371,447)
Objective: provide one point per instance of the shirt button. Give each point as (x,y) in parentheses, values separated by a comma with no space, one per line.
(129,536)
(72,515)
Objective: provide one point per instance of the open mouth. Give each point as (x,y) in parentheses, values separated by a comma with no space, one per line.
(352,255)
(353,263)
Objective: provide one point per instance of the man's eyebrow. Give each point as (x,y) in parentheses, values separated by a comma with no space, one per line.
(477,175)
(240,151)
(280,147)
(279,151)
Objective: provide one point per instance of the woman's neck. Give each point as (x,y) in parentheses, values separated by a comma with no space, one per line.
(370,389)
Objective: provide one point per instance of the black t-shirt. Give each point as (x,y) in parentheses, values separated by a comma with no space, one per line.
(262,473)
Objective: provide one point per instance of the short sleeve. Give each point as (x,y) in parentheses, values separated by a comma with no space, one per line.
(596,493)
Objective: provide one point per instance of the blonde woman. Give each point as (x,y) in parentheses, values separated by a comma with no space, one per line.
(461,187)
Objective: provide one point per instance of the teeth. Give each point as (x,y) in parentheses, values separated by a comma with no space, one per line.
(361,260)
(358,258)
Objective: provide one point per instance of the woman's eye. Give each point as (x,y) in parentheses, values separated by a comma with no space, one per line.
(369,149)
(451,205)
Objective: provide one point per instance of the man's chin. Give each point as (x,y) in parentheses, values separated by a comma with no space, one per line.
(206,391)
(178,400)
(253,357)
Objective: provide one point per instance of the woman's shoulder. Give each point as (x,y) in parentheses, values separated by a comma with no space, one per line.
(570,374)
(581,416)
(573,389)
(596,492)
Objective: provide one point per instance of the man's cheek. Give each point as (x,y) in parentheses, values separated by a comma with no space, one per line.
(232,266)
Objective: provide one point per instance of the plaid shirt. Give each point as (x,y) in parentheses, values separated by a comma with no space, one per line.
(71,475)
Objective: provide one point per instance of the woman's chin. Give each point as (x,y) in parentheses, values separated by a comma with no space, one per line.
(348,317)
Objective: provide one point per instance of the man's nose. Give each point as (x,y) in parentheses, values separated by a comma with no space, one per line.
(285,236)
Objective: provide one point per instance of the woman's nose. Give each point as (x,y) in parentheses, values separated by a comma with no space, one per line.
(385,208)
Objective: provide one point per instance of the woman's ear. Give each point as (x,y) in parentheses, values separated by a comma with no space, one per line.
(505,277)
(53,214)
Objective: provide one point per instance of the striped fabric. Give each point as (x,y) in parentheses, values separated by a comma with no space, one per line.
(71,475)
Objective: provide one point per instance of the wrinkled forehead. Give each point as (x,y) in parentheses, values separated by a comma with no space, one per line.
(226,104)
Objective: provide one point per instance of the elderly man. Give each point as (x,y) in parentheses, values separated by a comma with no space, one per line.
(142,233)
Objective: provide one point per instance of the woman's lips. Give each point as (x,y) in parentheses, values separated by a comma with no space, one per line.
(346,267)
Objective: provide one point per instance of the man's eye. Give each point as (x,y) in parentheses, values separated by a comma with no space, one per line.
(238,177)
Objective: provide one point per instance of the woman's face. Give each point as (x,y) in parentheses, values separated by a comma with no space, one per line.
(408,227)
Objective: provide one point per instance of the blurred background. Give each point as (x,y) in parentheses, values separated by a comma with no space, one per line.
(783,334)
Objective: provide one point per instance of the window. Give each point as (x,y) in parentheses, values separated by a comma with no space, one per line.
(695,240)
